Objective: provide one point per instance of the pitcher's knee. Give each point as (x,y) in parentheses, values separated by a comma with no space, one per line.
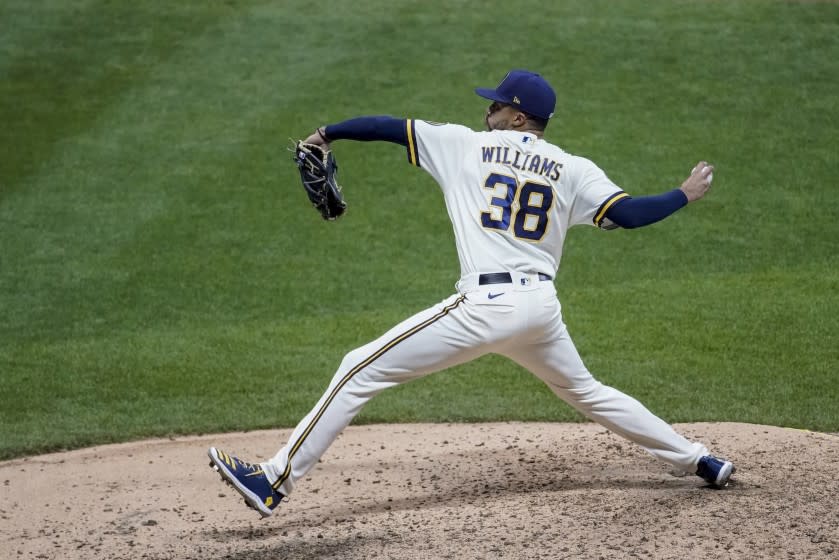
(588,391)
(357,368)
(352,360)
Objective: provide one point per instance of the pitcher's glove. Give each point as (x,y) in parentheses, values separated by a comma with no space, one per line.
(318,170)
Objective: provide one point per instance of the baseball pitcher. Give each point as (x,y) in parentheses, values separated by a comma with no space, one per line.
(511,197)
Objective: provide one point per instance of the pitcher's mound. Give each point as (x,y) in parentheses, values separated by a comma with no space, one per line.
(457,491)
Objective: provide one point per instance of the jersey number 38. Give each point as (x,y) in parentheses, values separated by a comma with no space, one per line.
(533,202)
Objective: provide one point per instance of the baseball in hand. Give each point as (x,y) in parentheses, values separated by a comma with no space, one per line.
(710,175)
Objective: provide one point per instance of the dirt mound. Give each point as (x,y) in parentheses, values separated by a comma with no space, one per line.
(459,491)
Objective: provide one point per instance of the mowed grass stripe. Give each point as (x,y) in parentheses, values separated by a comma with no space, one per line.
(76,66)
(199,145)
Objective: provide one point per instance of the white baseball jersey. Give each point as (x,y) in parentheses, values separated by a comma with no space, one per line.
(511,196)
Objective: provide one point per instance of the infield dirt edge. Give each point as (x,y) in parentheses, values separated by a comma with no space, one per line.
(511,490)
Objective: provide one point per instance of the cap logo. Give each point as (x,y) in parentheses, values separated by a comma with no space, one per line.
(516,100)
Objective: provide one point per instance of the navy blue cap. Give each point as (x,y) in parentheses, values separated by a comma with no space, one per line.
(524,90)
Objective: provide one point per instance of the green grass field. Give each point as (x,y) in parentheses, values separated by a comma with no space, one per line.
(161,271)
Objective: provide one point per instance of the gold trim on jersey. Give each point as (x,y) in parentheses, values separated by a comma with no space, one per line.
(411,133)
(608,203)
(546,212)
(530,204)
(495,212)
(350,374)
(515,207)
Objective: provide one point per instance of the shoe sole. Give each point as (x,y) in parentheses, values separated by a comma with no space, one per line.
(252,500)
(725,473)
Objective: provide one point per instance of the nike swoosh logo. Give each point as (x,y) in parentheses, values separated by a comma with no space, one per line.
(493,296)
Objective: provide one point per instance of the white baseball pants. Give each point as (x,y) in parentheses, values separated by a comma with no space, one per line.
(521,320)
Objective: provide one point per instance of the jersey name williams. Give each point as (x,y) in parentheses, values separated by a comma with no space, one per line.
(523,162)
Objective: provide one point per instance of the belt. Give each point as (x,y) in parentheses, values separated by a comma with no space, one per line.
(504,278)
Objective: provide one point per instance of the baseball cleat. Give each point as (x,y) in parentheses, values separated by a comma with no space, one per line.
(247,479)
(715,471)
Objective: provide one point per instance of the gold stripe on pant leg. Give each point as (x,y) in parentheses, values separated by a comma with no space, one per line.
(350,375)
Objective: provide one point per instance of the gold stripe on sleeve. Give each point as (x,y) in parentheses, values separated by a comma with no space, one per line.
(412,146)
(598,218)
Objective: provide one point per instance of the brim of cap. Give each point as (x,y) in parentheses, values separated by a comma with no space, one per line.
(492,95)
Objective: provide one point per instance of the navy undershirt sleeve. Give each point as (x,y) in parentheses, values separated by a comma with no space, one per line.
(642,211)
(366,129)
